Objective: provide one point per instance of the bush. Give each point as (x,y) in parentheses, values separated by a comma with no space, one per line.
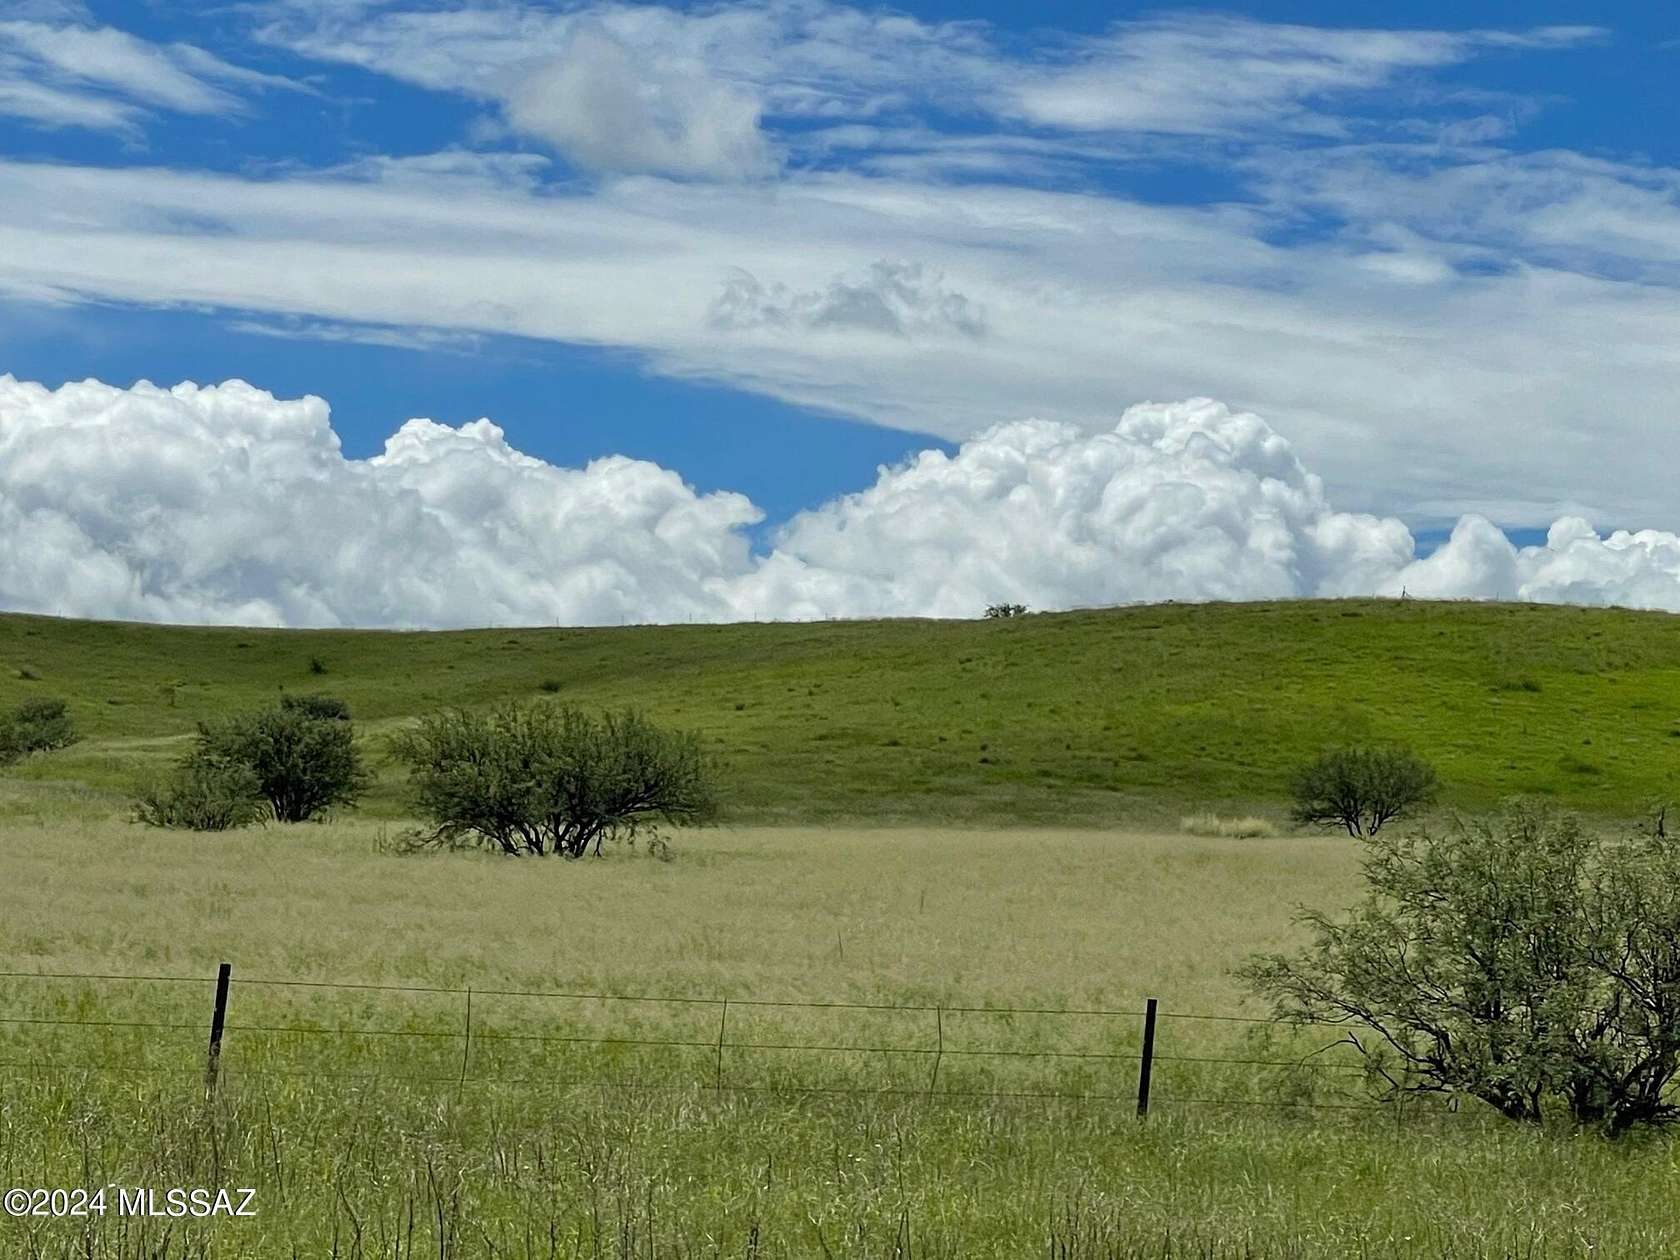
(203,794)
(541,778)
(1517,960)
(305,763)
(1361,788)
(1230,828)
(326,708)
(996,611)
(35,726)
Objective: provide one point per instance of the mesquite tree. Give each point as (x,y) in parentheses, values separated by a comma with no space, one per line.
(301,751)
(1518,960)
(543,778)
(1361,788)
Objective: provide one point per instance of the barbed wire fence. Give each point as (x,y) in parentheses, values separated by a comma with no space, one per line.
(1130,1077)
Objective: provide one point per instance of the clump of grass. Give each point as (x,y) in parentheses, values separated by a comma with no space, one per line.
(550,685)
(1577,765)
(1209,824)
(317,665)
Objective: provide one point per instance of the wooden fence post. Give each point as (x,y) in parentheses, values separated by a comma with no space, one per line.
(1147,1063)
(217,1022)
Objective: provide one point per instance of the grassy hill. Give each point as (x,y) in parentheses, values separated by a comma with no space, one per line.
(1081,716)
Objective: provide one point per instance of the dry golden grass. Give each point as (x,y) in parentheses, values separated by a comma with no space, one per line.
(1029,917)
(1247,827)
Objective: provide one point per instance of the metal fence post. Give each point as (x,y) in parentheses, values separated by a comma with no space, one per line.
(939,1052)
(466,1047)
(723,1024)
(1147,1062)
(217,1022)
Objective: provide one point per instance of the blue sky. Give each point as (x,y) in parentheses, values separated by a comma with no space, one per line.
(774,245)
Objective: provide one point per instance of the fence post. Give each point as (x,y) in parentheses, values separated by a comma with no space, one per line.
(1147,1062)
(466,1048)
(723,1023)
(939,1053)
(217,1022)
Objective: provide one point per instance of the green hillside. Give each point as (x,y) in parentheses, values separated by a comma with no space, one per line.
(1079,716)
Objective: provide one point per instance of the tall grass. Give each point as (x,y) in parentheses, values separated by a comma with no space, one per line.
(524,1149)
(364,1170)
(1247,827)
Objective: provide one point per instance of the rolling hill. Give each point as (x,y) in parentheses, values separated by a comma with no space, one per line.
(1080,717)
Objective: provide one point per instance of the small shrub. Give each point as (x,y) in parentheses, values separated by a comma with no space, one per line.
(317,665)
(995,612)
(203,794)
(1361,788)
(1247,828)
(42,725)
(550,685)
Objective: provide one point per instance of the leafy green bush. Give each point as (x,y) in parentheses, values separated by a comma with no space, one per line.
(203,794)
(1361,788)
(42,725)
(1518,960)
(541,778)
(305,763)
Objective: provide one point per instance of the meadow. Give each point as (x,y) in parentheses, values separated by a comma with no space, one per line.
(909,900)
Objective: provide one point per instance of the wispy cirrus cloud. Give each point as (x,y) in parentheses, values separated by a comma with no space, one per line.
(725,91)
(395,338)
(1202,75)
(58,71)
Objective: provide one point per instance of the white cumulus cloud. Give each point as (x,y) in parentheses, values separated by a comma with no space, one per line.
(224,504)
(1180,501)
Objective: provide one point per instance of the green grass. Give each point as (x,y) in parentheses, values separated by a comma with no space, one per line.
(1140,714)
(921,814)
(531,1156)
